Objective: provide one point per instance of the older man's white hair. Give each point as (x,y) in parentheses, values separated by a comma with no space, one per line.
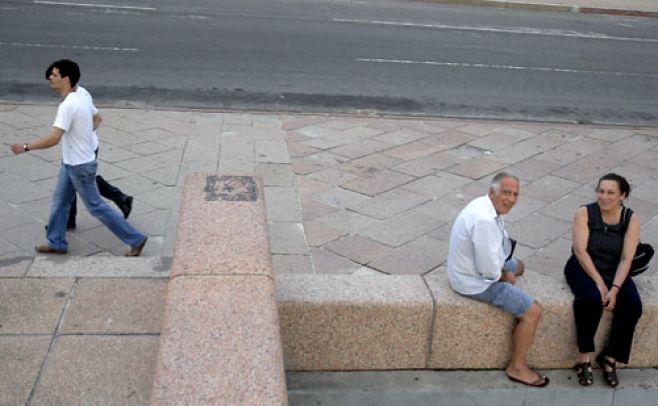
(497,180)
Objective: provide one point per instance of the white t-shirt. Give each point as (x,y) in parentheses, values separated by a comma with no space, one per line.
(476,255)
(75,116)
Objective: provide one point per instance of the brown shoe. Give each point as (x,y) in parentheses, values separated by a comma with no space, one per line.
(47,249)
(136,250)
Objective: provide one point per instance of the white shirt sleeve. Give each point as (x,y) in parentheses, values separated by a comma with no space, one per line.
(488,247)
(64,117)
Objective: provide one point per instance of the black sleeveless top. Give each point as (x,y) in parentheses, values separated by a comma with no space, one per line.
(606,242)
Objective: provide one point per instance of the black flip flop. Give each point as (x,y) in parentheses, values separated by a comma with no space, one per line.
(542,382)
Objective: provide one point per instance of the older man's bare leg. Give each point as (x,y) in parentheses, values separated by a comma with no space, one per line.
(518,369)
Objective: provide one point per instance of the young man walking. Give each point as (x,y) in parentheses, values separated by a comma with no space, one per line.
(74,126)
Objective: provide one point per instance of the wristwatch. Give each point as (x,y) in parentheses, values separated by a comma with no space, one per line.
(26,147)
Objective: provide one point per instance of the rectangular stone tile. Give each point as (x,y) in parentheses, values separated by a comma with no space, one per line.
(538,230)
(353,322)
(551,259)
(332,176)
(99,267)
(276,174)
(532,169)
(273,152)
(361,148)
(32,306)
(549,188)
(524,207)
(312,209)
(496,140)
(167,176)
(369,164)
(584,170)
(85,370)
(561,156)
(244,363)
(414,150)
(451,139)
(647,191)
(318,234)
(448,206)
(401,229)
(21,357)
(399,137)
(377,182)
(14,267)
(29,167)
(287,238)
(306,185)
(298,150)
(347,220)
(116,306)
(477,168)
(415,258)
(26,193)
(436,185)
(236,154)
(339,197)
(358,249)
(326,262)
(427,165)
(282,264)
(565,208)
(282,204)
(611,134)
(389,204)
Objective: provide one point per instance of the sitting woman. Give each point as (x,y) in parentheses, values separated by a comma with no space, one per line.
(605,236)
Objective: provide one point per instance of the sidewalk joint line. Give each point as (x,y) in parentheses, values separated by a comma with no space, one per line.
(53,341)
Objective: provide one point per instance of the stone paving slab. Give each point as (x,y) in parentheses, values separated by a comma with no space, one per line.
(21,357)
(32,306)
(99,267)
(84,370)
(114,306)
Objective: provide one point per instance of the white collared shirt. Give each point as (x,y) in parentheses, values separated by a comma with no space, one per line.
(476,255)
(75,116)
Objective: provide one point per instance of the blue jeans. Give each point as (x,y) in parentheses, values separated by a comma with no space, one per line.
(82,179)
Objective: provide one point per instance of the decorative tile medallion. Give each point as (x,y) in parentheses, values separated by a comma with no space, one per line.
(231,188)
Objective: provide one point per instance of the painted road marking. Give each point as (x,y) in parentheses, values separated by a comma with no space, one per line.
(85,47)
(520,30)
(91,5)
(509,67)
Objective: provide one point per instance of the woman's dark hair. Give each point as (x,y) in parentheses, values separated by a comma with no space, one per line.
(67,68)
(624,187)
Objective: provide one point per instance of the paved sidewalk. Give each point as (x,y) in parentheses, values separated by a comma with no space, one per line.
(344,194)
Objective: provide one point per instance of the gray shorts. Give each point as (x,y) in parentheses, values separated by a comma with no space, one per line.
(506,296)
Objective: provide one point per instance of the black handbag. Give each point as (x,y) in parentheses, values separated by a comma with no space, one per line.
(643,253)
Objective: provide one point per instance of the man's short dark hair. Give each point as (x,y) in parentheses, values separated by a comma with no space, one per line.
(67,68)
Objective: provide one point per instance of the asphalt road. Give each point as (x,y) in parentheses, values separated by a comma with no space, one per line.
(339,56)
